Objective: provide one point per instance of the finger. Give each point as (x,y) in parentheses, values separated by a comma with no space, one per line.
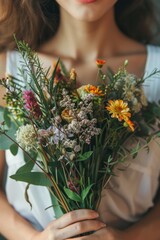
(75,216)
(79,228)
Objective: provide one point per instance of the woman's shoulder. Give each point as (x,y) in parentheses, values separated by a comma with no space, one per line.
(2,64)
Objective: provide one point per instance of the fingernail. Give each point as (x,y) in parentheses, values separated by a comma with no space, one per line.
(95,214)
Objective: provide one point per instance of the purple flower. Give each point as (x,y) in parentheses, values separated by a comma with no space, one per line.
(31,103)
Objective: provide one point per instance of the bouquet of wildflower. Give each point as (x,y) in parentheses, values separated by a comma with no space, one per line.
(74,135)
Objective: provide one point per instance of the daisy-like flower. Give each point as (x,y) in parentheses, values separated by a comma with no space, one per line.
(100,63)
(119,109)
(26,137)
(93,90)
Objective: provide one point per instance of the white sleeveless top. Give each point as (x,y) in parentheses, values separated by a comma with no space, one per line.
(129,195)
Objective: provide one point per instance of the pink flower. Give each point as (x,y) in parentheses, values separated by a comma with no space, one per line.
(31,103)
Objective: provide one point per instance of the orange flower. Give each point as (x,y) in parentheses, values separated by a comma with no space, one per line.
(93,90)
(119,109)
(130,124)
(100,63)
(67,115)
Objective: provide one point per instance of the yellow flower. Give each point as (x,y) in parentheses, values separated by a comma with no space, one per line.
(119,109)
(67,115)
(94,90)
(100,63)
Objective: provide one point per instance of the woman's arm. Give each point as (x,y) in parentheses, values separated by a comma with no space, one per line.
(2,75)
(12,225)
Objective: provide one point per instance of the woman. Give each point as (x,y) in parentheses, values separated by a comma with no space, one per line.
(83,31)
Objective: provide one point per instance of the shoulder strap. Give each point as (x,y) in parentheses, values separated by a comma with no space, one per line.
(152,84)
(12,62)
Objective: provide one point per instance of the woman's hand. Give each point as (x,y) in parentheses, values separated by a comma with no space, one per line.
(104,233)
(71,224)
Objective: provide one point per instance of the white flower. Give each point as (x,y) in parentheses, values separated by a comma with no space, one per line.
(74,126)
(77,148)
(129,96)
(26,137)
(136,105)
(57,135)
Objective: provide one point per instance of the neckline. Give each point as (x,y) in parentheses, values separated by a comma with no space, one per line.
(146,66)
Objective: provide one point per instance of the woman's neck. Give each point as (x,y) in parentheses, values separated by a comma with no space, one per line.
(80,43)
(87,41)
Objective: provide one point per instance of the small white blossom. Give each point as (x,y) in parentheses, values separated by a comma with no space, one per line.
(57,135)
(74,126)
(26,137)
(77,148)
(129,96)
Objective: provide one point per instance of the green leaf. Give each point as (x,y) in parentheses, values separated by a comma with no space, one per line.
(85,156)
(27,196)
(86,191)
(6,117)
(1,114)
(110,158)
(32,155)
(57,209)
(14,149)
(157,111)
(35,178)
(5,142)
(72,195)
(135,150)
(63,68)
(26,168)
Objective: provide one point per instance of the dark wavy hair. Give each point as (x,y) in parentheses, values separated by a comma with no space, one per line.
(35,21)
